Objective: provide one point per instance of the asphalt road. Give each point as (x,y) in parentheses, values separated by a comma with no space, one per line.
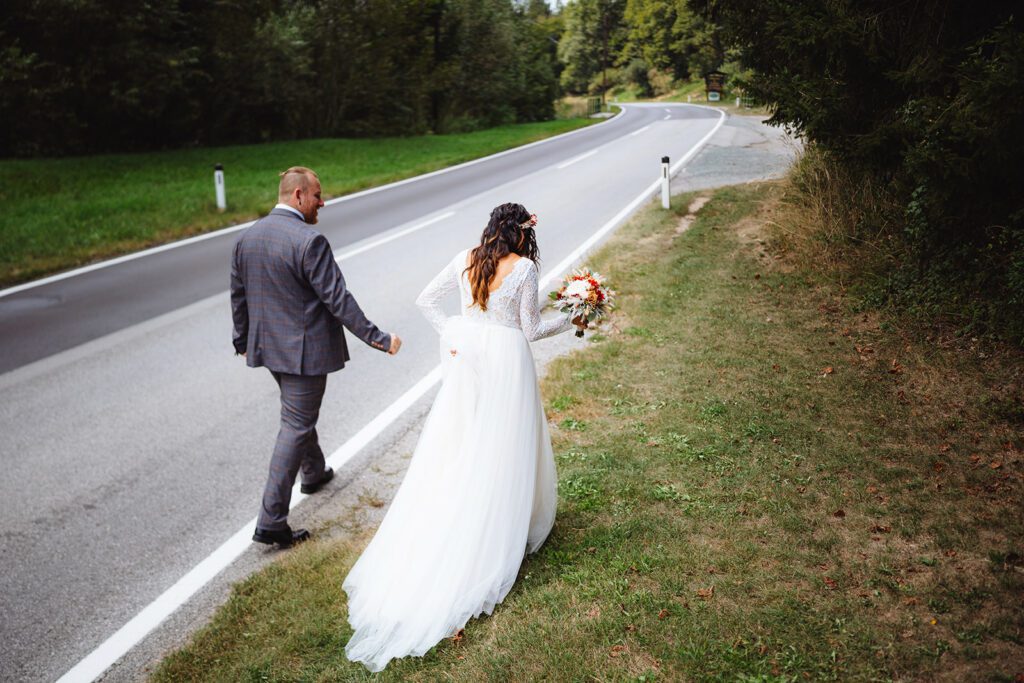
(134,442)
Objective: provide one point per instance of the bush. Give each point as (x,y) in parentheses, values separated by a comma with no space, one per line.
(922,103)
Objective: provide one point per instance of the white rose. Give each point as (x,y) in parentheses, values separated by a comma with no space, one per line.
(577,289)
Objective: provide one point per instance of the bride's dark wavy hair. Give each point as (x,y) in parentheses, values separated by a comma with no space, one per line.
(503,235)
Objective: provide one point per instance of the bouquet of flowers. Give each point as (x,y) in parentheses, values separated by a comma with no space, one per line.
(584,297)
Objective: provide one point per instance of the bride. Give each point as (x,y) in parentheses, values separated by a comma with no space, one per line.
(481,488)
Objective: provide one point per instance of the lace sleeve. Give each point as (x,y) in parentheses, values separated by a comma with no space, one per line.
(529,311)
(429,300)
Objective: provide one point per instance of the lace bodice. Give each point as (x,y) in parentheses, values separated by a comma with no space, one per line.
(513,304)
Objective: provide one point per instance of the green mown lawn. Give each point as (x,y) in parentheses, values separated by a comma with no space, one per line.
(760,480)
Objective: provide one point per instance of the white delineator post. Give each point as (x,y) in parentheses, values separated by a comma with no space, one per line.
(665,189)
(218,186)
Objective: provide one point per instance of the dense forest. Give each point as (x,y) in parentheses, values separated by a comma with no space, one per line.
(115,75)
(912,112)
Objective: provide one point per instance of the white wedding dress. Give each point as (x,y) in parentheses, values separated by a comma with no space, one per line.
(481,487)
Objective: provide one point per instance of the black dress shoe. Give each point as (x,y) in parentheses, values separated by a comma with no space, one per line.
(283,537)
(313,488)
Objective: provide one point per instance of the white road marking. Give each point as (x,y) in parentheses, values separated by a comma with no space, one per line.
(581,157)
(235,228)
(129,635)
(668,110)
(637,132)
(174,597)
(340,255)
(667,117)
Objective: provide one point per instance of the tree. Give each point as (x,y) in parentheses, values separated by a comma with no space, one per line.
(592,41)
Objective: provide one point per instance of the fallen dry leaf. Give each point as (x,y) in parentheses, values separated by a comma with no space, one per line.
(617,650)
(995,464)
(828,371)
(830,583)
(881,528)
(458,637)
(706,593)
(663,613)
(839,513)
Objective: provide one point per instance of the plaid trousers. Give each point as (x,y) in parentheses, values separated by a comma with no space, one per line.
(297,446)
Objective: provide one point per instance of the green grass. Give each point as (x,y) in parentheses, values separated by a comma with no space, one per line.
(61,213)
(750,489)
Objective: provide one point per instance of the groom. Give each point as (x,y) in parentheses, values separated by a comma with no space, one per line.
(288,303)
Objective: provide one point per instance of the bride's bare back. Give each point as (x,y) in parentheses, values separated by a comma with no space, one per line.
(505,266)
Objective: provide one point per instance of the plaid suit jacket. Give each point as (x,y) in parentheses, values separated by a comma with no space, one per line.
(289,300)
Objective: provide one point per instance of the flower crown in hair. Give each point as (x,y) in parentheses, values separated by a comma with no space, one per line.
(529,223)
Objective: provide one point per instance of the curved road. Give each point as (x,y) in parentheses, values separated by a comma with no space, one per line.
(135,443)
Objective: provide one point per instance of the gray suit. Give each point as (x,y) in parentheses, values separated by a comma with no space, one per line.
(289,303)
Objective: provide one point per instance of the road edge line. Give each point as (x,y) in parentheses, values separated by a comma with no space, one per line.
(14,289)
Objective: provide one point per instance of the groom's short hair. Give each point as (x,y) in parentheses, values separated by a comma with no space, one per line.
(295,177)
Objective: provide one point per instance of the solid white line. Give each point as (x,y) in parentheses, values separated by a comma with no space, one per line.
(667,117)
(641,130)
(581,157)
(129,635)
(341,254)
(234,228)
(120,259)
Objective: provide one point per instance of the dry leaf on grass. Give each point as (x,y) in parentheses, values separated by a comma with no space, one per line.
(617,650)
(706,593)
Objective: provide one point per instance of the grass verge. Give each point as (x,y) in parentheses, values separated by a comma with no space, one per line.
(62,213)
(759,481)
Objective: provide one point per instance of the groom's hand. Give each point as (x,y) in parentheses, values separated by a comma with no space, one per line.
(396,343)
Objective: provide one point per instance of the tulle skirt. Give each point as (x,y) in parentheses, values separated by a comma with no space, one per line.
(479,492)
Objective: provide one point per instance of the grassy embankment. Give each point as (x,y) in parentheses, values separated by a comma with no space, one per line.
(760,480)
(61,213)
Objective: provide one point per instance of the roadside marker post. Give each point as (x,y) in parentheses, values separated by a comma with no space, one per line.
(665,189)
(218,186)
